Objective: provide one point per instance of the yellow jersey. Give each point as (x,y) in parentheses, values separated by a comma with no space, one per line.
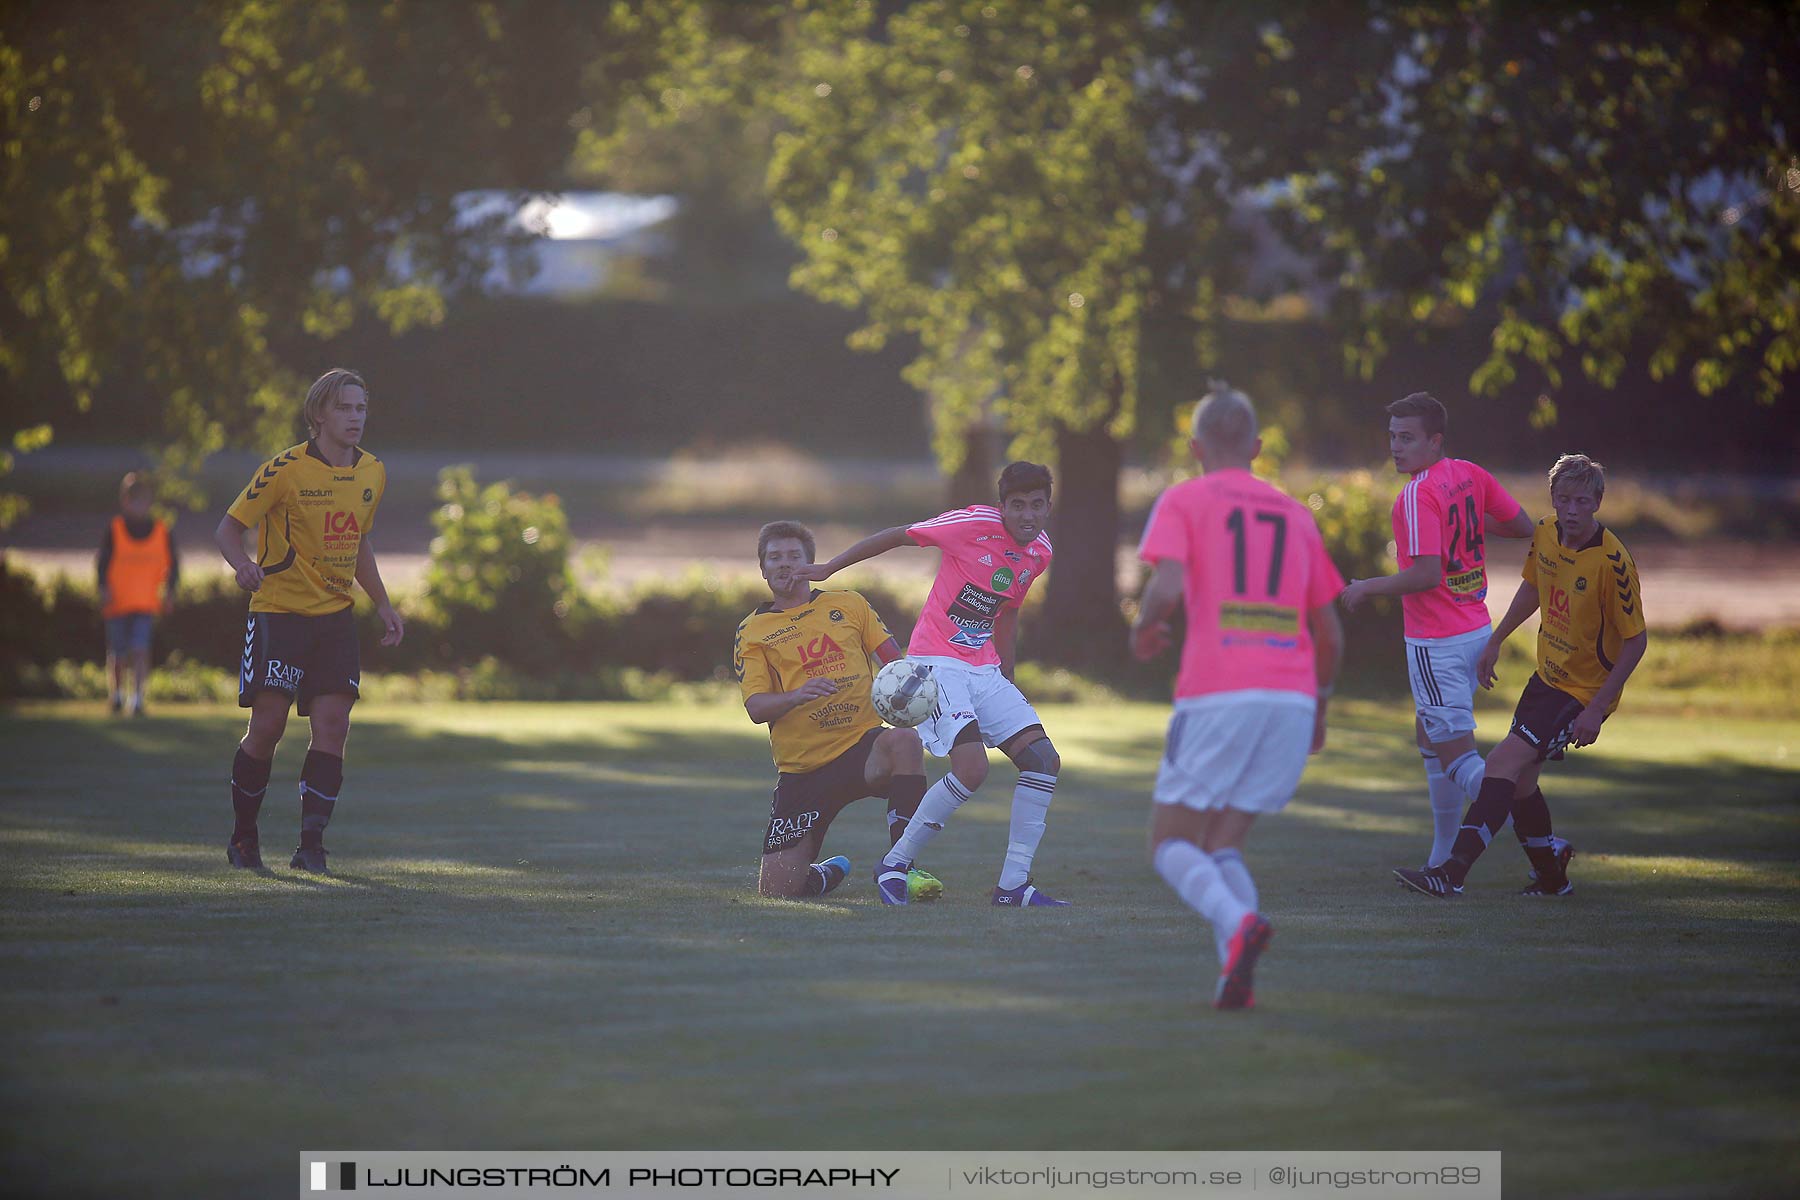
(833,635)
(310,519)
(1588,603)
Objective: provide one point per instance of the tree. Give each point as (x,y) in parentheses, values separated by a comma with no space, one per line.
(193,194)
(1033,190)
(987,178)
(1599,181)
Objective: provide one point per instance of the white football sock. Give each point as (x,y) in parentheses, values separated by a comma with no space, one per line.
(1447,804)
(1200,884)
(1031,800)
(1468,772)
(943,798)
(1237,877)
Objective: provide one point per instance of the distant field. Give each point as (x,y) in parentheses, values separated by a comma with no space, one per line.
(1707,547)
(544,935)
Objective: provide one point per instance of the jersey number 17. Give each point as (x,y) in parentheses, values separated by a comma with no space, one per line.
(1240,551)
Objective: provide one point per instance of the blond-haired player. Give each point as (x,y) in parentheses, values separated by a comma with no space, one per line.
(1590,639)
(312,507)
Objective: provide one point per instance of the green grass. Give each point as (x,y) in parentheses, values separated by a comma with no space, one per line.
(544,935)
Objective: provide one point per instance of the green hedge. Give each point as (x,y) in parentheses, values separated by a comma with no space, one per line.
(500,613)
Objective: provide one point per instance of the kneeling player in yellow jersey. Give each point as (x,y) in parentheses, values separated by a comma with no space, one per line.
(312,506)
(1591,638)
(802,660)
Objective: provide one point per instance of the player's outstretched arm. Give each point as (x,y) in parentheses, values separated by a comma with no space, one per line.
(1425,573)
(229,537)
(368,575)
(869,547)
(766,708)
(1328,652)
(1150,633)
(1521,526)
(1524,603)
(1585,730)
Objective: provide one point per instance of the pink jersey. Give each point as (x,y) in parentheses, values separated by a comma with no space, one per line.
(1443,511)
(1254,567)
(982,572)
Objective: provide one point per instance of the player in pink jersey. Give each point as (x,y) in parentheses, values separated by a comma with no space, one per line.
(968,633)
(1441,518)
(1261,652)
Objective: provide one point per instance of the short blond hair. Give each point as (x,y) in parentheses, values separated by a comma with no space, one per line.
(324,393)
(1225,420)
(1578,470)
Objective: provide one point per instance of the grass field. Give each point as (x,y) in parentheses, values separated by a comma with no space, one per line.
(544,935)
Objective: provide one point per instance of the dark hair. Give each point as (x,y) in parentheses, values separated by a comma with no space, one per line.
(784,529)
(1024,477)
(133,486)
(1426,407)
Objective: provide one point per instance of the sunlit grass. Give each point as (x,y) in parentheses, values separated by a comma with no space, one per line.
(544,932)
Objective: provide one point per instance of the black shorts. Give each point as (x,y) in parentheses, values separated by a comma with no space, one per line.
(301,656)
(1543,718)
(806,803)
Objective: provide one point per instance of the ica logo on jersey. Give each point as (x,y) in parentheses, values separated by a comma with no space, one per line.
(341,526)
(1559,609)
(821,655)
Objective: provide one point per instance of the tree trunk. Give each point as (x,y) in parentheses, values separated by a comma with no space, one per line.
(973,482)
(1081,624)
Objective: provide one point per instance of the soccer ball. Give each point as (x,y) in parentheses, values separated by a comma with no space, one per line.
(904,693)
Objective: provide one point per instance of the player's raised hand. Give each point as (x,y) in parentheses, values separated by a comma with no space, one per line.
(1148,641)
(1485,665)
(394,627)
(814,689)
(813,572)
(1353,594)
(250,577)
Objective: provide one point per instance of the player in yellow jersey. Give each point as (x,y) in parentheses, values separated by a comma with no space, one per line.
(312,507)
(1590,639)
(803,663)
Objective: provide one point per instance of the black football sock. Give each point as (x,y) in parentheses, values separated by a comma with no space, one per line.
(249,780)
(822,877)
(1483,820)
(1531,821)
(904,794)
(321,778)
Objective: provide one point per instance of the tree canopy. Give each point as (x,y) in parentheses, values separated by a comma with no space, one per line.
(194,194)
(187,187)
(1601,181)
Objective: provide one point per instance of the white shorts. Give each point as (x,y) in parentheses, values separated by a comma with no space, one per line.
(1244,750)
(979,694)
(1442,671)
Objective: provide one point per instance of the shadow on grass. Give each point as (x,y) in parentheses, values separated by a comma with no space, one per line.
(562,784)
